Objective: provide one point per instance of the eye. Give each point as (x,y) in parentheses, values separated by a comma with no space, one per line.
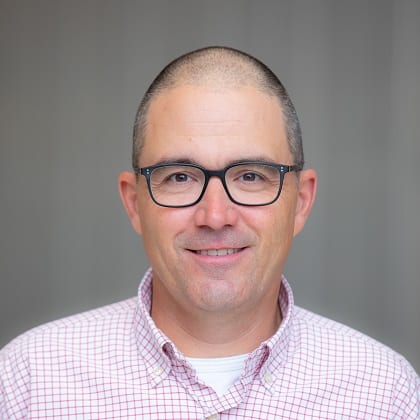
(250,177)
(180,178)
(175,176)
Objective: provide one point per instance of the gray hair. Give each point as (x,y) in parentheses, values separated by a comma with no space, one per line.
(223,67)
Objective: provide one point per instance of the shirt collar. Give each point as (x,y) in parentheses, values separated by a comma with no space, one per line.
(151,342)
(160,353)
(276,351)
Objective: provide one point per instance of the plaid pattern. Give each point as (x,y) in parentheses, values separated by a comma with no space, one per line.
(113,363)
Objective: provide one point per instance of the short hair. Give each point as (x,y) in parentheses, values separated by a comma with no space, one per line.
(224,67)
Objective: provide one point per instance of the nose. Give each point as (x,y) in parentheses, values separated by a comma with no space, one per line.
(215,210)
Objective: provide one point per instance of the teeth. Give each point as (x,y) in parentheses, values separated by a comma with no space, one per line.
(217,252)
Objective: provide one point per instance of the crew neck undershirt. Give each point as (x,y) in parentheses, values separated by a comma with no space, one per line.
(220,372)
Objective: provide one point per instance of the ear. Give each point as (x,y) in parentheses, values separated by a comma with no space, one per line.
(128,188)
(305,199)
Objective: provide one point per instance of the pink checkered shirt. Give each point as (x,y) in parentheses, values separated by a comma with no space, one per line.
(113,363)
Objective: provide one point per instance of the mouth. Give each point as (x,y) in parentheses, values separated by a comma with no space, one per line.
(218,252)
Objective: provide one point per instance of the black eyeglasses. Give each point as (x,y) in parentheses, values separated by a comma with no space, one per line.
(245,183)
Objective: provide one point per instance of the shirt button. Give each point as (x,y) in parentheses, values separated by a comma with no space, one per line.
(268,378)
(157,371)
(212,417)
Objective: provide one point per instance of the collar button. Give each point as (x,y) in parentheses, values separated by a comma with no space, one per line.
(157,371)
(268,378)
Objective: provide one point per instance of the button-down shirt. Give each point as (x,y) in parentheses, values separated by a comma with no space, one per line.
(114,362)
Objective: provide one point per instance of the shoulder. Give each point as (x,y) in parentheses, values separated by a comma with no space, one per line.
(54,353)
(91,334)
(318,332)
(335,353)
(343,344)
(90,325)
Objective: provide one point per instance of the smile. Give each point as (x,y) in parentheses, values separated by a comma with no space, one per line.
(218,252)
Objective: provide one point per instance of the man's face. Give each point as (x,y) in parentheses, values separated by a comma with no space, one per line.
(214,128)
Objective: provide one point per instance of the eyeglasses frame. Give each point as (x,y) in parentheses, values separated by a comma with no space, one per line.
(146,171)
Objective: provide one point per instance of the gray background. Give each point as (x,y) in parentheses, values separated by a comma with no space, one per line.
(72,74)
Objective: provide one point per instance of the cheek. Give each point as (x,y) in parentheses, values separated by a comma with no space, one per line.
(280,227)
(157,243)
(161,225)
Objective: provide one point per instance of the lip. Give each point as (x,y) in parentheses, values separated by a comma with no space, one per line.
(207,258)
(217,252)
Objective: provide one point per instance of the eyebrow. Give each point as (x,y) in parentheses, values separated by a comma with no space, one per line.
(188,160)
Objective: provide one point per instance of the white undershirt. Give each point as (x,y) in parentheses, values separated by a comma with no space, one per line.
(220,372)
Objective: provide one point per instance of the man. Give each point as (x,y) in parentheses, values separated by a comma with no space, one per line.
(218,192)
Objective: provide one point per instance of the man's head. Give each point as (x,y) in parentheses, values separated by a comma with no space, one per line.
(215,257)
(224,68)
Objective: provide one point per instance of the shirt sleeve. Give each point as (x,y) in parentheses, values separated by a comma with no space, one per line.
(406,395)
(14,382)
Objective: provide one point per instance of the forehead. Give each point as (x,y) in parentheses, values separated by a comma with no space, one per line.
(202,122)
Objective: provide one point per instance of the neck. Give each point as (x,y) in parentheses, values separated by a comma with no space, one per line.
(198,333)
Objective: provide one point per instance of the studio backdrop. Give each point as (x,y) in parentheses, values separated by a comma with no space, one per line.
(72,74)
